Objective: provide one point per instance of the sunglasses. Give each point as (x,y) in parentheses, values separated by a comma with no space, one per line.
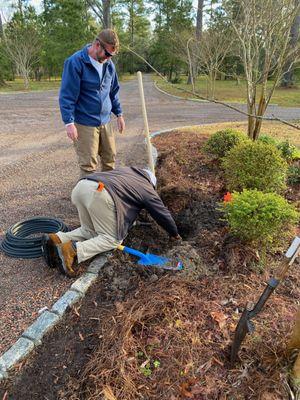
(107,53)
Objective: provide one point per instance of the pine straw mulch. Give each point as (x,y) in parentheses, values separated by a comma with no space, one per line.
(170,339)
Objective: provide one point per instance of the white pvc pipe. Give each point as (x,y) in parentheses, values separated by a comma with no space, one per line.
(146,127)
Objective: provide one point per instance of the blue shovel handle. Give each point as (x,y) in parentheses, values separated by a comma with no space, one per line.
(133,252)
(151,259)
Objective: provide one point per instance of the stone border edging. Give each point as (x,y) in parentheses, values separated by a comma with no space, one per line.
(33,335)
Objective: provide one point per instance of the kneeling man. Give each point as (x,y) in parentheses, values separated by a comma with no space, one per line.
(108,203)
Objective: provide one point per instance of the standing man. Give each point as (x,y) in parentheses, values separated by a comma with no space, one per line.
(108,203)
(89,94)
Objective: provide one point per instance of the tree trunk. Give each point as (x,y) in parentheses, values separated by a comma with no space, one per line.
(170,73)
(2,81)
(287,79)
(1,27)
(260,112)
(106,14)
(199,21)
(131,36)
(25,75)
(251,120)
(198,34)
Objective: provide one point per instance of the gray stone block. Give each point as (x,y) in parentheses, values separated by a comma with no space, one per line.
(67,300)
(3,375)
(15,354)
(84,282)
(96,265)
(42,325)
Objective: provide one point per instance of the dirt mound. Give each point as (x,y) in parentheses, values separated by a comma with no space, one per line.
(192,261)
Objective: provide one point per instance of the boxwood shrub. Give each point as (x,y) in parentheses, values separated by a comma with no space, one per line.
(259,217)
(255,165)
(219,143)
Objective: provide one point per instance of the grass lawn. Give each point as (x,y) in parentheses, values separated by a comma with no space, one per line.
(275,129)
(231,92)
(18,85)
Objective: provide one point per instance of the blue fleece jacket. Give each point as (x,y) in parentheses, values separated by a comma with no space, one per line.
(83,98)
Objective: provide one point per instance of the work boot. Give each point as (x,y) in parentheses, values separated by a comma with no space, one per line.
(49,241)
(67,258)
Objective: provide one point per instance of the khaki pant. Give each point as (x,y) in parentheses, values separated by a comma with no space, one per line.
(98,220)
(93,142)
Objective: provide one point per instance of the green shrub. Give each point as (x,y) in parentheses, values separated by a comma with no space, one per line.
(255,165)
(294,175)
(259,217)
(176,79)
(219,144)
(288,151)
(268,140)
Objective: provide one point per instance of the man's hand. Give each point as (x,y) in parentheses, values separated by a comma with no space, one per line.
(72,132)
(121,123)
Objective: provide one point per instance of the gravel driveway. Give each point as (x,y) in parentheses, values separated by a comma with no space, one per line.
(38,170)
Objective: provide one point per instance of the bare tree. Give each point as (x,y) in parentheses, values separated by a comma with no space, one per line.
(262,30)
(231,106)
(23,47)
(207,54)
(211,52)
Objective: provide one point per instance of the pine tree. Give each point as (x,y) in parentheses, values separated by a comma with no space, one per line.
(67,27)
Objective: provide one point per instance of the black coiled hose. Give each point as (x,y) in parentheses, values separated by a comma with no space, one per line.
(16,244)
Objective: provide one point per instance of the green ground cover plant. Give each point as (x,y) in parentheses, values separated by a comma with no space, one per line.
(294,175)
(268,139)
(288,151)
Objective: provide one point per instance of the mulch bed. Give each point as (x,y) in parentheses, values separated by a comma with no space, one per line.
(144,333)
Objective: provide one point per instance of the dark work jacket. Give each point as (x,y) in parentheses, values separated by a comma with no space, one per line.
(132,190)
